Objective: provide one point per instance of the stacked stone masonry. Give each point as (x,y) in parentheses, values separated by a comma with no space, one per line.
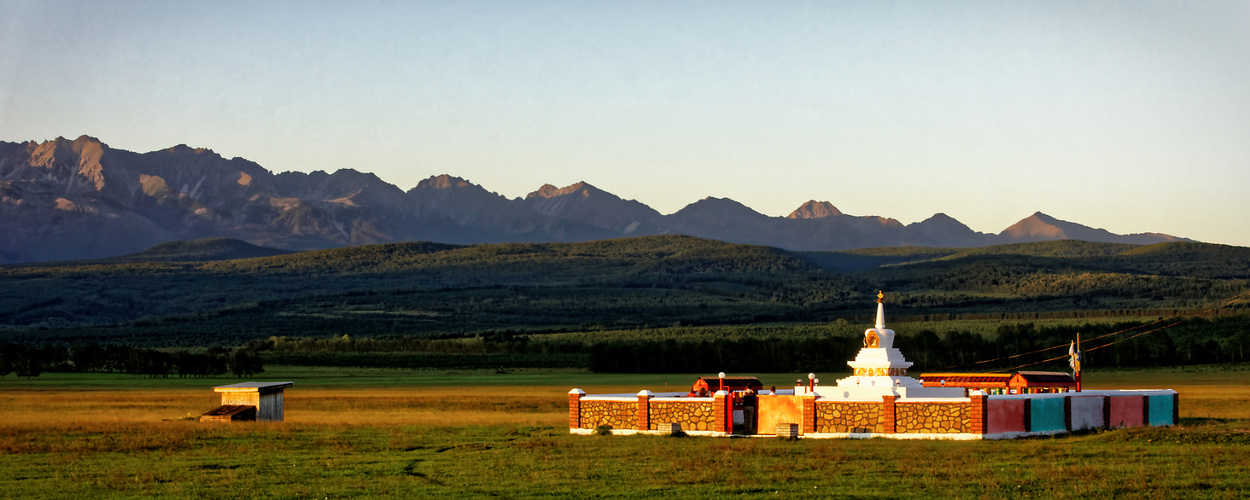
(693,416)
(933,418)
(849,417)
(617,414)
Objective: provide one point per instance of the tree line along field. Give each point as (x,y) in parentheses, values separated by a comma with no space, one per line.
(635,304)
(372,432)
(985,345)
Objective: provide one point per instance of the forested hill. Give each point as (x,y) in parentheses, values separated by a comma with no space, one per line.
(441,290)
(1171,259)
(203,250)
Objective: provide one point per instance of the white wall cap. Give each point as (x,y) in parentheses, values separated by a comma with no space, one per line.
(577,391)
(645,393)
(721,392)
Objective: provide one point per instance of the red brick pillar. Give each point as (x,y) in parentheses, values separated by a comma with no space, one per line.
(1106,412)
(644,410)
(809,415)
(575,408)
(979,412)
(887,413)
(722,411)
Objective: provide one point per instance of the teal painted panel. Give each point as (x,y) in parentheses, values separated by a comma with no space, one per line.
(1161,410)
(1046,415)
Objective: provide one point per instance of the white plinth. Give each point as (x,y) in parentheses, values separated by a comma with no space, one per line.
(875,393)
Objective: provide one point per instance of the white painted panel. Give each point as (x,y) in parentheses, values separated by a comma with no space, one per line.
(1087,413)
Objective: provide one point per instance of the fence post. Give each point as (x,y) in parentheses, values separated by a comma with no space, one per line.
(809,414)
(723,412)
(978,415)
(644,410)
(575,408)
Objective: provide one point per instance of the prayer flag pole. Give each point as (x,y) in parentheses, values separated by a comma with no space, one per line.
(1076,362)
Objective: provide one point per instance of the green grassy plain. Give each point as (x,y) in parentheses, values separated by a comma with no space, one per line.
(374,433)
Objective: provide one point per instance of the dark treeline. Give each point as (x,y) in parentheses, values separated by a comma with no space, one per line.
(496,351)
(768,355)
(1194,341)
(1122,345)
(1013,346)
(427,361)
(30,361)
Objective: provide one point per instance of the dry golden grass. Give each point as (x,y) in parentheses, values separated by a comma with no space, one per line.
(1203,394)
(365,406)
(102,406)
(432,406)
(459,437)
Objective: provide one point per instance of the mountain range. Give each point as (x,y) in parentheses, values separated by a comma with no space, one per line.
(80,199)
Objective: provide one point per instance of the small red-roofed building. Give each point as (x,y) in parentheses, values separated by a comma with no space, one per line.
(988,382)
(1040,382)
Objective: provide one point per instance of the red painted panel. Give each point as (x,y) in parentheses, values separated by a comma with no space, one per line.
(1126,411)
(1005,415)
(775,410)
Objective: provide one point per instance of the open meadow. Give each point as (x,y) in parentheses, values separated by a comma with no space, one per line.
(376,432)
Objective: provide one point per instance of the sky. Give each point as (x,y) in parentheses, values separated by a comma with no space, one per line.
(1130,116)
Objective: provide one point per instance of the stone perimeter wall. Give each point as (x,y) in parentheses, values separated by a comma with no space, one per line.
(932,418)
(992,417)
(849,417)
(618,414)
(693,416)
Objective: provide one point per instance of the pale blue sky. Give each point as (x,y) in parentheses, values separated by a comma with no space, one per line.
(1131,116)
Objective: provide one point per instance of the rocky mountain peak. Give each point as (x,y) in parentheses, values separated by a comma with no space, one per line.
(72,199)
(546,191)
(185,149)
(549,191)
(1036,227)
(443,181)
(941,218)
(815,210)
(71,161)
(713,206)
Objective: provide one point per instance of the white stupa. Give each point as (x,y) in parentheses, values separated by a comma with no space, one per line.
(880,370)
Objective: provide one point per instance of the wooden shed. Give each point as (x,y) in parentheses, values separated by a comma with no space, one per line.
(1017,383)
(248,401)
(1034,382)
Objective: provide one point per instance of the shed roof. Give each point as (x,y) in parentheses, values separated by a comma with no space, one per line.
(961,379)
(253,386)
